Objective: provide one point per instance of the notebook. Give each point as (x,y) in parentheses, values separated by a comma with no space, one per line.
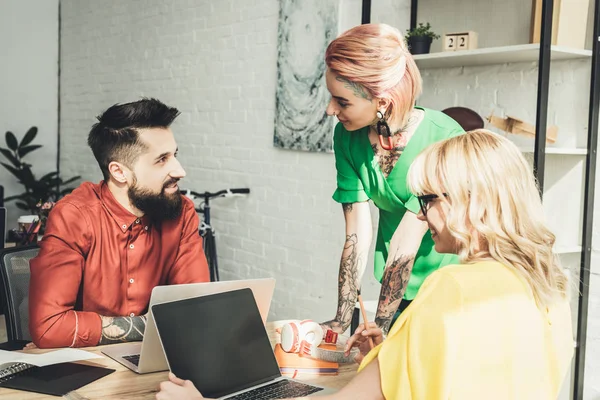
(219,342)
(52,372)
(56,379)
(292,364)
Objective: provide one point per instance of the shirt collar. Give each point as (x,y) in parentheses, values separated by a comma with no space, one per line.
(122,217)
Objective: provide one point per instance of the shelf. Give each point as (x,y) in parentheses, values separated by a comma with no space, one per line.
(495,55)
(568,151)
(567,249)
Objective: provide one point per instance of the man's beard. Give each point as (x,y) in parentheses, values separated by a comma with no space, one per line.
(158,207)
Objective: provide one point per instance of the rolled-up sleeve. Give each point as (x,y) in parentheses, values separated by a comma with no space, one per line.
(56,276)
(190,265)
(350,189)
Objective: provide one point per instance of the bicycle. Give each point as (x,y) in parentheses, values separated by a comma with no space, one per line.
(205,229)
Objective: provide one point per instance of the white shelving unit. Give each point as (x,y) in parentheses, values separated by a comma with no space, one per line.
(495,55)
(567,250)
(565,151)
(564,156)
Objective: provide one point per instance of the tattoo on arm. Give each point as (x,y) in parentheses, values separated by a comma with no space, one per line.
(358,89)
(347,284)
(122,329)
(347,207)
(393,286)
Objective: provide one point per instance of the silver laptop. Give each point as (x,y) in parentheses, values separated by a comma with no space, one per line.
(147,356)
(220,343)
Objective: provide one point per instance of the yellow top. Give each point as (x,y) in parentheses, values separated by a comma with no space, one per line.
(474,331)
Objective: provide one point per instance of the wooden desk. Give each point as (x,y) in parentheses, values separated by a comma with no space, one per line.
(126,384)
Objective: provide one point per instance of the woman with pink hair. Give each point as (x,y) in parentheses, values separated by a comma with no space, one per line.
(374,83)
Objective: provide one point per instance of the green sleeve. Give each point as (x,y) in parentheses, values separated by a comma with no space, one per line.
(350,189)
(412,204)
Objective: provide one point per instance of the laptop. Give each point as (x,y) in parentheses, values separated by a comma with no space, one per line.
(148,356)
(224,350)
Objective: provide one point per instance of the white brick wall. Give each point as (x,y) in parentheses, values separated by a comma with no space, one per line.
(216,61)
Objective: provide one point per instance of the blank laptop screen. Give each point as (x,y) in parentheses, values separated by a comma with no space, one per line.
(218,342)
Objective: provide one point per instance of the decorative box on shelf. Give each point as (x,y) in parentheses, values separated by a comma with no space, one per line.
(460,41)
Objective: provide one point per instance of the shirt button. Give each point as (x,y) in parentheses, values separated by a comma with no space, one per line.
(137,221)
(146,228)
(132,315)
(131,280)
(131,246)
(124,226)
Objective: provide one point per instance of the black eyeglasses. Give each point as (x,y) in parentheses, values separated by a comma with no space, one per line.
(425,199)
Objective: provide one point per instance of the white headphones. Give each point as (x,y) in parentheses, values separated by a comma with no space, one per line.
(304,337)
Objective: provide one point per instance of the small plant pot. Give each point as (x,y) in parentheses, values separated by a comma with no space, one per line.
(419,44)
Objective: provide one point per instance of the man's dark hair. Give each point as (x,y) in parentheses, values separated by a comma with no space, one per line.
(115,137)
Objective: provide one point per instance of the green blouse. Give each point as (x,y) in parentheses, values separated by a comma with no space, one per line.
(359,178)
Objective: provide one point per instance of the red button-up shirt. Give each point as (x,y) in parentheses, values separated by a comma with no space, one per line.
(96,258)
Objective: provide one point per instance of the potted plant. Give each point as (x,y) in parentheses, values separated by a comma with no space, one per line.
(419,39)
(40,194)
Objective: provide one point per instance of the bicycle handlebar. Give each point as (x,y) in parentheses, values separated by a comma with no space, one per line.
(220,193)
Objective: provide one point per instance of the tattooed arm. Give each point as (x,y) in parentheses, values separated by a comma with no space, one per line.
(401,257)
(122,329)
(359,233)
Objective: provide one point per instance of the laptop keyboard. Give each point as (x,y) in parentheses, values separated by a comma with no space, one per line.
(279,390)
(134,359)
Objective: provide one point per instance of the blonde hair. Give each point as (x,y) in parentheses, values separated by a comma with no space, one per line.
(487,179)
(376,57)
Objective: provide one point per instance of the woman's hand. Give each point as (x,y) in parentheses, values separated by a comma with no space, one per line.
(360,339)
(177,389)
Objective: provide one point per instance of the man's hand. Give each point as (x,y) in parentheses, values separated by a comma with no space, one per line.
(30,346)
(360,340)
(178,389)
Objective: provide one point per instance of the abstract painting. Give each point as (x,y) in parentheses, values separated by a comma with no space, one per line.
(306,27)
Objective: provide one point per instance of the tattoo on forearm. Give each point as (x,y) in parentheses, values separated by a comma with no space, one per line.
(358,89)
(122,329)
(393,286)
(347,207)
(347,284)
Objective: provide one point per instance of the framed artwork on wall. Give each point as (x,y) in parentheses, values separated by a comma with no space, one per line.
(306,27)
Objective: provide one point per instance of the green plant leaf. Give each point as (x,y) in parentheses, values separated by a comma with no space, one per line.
(11,141)
(23,151)
(15,197)
(18,173)
(29,136)
(22,206)
(48,176)
(8,154)
(27,178)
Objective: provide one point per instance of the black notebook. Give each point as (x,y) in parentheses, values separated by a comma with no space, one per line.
(56,379)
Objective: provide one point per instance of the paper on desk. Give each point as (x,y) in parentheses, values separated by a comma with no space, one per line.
(49,358)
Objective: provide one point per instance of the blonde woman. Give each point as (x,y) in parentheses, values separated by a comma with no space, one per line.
(497,326)
(374,83)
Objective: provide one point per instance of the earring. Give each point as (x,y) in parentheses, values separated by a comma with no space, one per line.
(383,130)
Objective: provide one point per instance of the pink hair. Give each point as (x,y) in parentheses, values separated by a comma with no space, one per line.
(376,57)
